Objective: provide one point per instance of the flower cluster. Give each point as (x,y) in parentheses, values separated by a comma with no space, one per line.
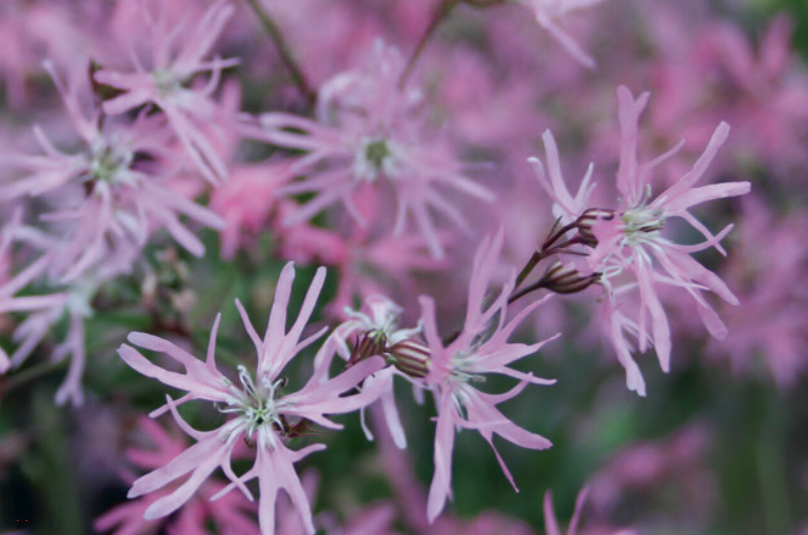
(161,157)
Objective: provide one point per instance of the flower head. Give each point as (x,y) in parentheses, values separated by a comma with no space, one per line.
(189,110)
(458,366)
(370,134)
(257,408)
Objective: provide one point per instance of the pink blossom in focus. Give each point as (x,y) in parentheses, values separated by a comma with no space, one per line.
(631,253)
(480,348)
(631,240)
(377,327)
(261,414)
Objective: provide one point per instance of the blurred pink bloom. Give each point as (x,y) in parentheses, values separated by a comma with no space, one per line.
(549,13)
(475,351)
(551,522)
(191,112)
(776,339)
(118,201)
(369,134)
(248,204)
(673,468)
(261,415)
(231,514)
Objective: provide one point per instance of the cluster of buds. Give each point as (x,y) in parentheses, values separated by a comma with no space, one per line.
(571,239)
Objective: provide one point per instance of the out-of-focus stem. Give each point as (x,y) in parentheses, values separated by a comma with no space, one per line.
(26,376)
(441,12)
(283,49)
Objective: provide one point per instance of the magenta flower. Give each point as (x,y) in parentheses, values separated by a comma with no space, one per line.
(191,112)
(368,135)
(480,348)
(259,413)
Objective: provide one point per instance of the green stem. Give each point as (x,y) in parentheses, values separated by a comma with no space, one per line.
(283,50)
(21,379)
(441,12)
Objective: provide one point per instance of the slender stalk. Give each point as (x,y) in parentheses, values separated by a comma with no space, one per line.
(441,12)
(25,377)
(283,49)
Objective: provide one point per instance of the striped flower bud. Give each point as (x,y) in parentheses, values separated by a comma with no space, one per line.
(589,218)
(565,279)
(410,357)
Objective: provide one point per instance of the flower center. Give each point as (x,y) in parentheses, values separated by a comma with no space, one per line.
(375,157)
(166,82)
(108,162)
(641,224)
(256,404)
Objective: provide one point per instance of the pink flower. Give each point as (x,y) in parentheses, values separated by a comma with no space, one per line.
(191,112)
(260,414)
(626,246)
(247,203)
(368,135)
(230,513)
(465,360)
(777,338)
(376,331)
(631,240)
(104,194)
(549,12)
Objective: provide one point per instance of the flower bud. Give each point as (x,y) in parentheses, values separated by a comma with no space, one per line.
(589,218)
(410,357)
(565,279)
(368,344)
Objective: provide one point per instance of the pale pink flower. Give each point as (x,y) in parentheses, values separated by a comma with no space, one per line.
(11,284)
(370,134)
(549,13)
(630,253)
(46,310)
(375,331)
(231,513)
(631,240)
(480,348)
(260,414)
(191,111)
